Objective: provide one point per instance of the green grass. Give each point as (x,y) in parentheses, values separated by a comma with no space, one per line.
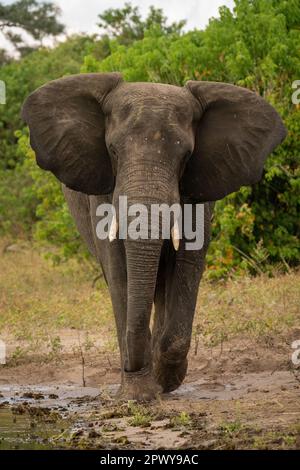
(253,306)
(180,421)
(38,301)
(139,415)
(231,428)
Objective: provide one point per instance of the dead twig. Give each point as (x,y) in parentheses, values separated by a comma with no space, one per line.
(82,361)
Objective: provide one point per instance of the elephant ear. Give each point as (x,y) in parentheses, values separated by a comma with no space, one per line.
(67,130)
(237,130)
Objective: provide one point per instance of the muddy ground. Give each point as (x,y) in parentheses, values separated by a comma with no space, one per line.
(242,394)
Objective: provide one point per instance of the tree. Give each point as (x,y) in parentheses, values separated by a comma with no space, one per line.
(127,25)
(39,20)
(25,75)
(4,57)
(256,46)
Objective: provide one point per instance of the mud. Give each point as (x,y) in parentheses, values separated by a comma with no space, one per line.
(241,395)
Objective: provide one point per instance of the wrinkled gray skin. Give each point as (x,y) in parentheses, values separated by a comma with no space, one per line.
(154,143)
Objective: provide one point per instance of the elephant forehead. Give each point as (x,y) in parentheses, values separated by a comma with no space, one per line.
(152,89)
(140,100)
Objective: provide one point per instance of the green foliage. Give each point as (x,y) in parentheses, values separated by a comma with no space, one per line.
(22,77)
(182,420)
(258,227)
(140,415)
(17,203)
(253,46)
(53,222)
(158,58)
(31,202)
(256,45)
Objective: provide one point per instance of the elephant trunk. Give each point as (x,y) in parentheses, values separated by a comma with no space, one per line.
(142,266)
(149,185)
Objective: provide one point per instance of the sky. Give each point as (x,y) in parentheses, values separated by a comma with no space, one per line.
(82,15)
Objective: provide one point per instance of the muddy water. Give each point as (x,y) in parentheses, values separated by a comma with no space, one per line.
(22,432)
(34,417)
(70,416)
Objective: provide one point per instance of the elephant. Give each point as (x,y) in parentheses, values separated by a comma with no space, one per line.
(103,138)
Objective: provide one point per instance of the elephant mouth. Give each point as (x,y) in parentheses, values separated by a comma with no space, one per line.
(174,233)
(152,222)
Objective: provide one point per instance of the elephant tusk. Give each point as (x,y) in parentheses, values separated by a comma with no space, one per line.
(113,229)
(175,235)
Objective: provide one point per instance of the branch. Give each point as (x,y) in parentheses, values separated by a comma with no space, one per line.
(9,24)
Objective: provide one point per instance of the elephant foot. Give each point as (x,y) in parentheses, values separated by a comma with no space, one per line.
(139,386)
(169,375)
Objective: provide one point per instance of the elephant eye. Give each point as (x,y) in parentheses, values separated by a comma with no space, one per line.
(113,151)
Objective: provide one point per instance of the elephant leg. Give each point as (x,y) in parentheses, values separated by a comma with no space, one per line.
(183,274)
(112,258)
(170,363)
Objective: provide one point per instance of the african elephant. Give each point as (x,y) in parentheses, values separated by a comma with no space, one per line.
(155,143)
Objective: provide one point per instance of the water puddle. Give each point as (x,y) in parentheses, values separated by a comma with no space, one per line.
(70,416)
(24,431)
(35,417)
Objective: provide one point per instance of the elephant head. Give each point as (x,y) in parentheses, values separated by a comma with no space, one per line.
(153,143)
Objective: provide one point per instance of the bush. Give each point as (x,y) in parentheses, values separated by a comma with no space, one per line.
(53,224)
(24,76)
(255,46)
